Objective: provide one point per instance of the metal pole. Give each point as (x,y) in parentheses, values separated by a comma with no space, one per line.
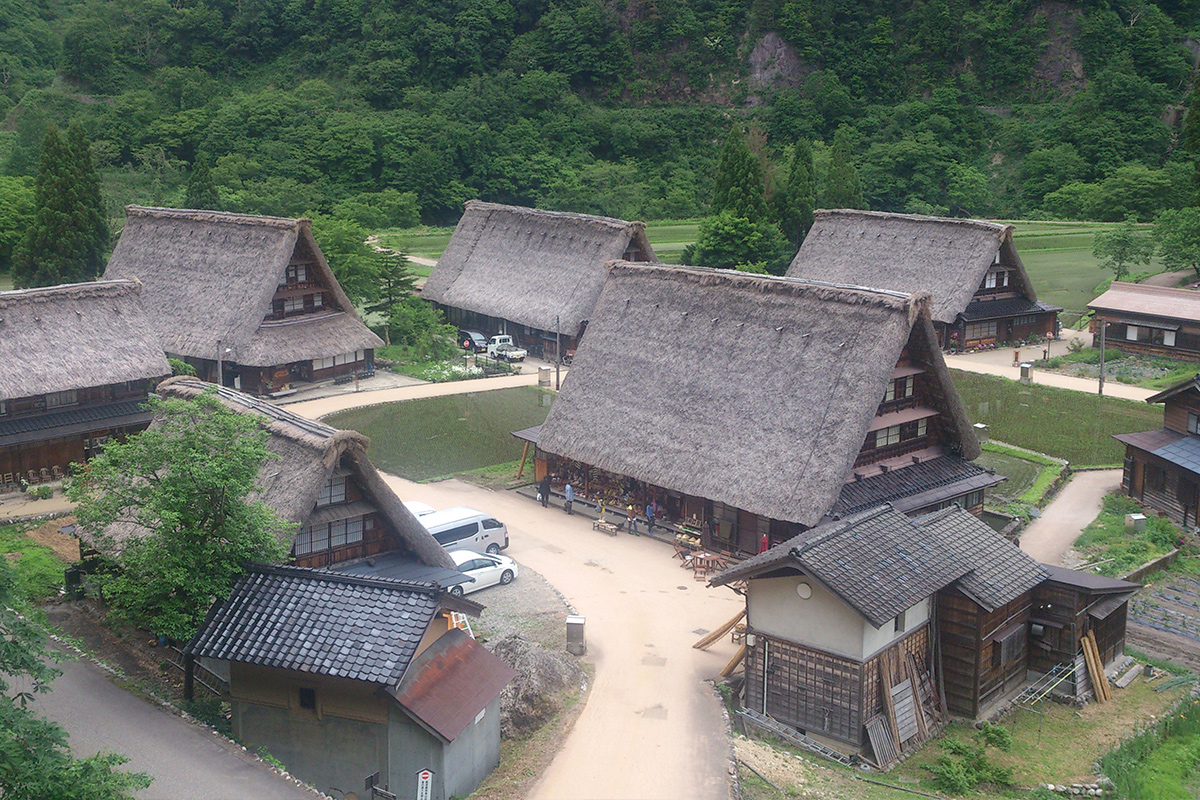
(1103,327)
(557,352)
(220,382)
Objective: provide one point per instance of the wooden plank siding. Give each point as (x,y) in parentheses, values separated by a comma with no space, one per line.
(378,537)
(1163,486)
(970,639)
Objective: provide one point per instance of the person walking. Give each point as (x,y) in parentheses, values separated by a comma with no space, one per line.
(544,491)
(569,493)
(631,520)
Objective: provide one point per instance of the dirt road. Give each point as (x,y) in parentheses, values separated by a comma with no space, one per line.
(1049,537)
(652,728)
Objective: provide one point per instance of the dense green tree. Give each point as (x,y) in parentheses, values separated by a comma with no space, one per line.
(841,188)
(795,202)
(738,182)
(1123,247)
(1177,232)
(35,760)
(186,482)
(16,216)
(731,242)
(66,241)
(355,263)
(201,191)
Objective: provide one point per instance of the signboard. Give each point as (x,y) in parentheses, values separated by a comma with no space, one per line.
(424,785)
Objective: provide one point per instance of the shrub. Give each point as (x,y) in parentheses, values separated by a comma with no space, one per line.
(966,767)
(180,367)
(995,735)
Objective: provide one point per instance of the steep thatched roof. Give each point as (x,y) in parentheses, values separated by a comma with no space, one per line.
(947,258)
(751,390)
(527,265)
(209,275)
(307,454)
(75,336)
(1149,301)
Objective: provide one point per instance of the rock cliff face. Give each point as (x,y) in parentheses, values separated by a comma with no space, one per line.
(774,65)
(1059,69)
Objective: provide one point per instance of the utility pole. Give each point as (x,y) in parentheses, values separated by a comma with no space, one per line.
(220,382)
(557,352)
(1103,327)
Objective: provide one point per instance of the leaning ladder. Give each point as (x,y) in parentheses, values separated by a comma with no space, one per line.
(792,735)
(459,620)
(1037,691)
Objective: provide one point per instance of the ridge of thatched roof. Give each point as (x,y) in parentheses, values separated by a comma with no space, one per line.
(74,336)
(906,252)
(530,266)
(752,390)
(210,275)
(307,454)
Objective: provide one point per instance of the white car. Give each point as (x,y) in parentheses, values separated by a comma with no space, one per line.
(485,568)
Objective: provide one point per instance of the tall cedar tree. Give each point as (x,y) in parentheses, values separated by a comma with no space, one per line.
(187,482)
(739,181)
(794,204)
(35,759)
(65,243)
(842,189)
(201,191)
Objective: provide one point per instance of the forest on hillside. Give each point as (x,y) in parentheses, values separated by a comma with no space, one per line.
(1002,108)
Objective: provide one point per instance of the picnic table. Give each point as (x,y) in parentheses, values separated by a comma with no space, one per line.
(703,563)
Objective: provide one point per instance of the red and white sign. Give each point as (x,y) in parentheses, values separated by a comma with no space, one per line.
(424,785)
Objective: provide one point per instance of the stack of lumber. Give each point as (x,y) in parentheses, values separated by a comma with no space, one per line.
(1091,654)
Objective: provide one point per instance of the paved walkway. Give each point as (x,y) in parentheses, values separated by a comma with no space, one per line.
(1000,362)
(652,727)
(186,760)
(314,409)
(1049,537)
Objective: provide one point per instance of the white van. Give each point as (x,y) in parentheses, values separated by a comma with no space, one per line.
(418,508)
(464,528)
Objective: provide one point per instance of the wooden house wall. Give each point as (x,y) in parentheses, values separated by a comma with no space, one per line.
(812,690)
(915,644)
(999,678)
(1187,337)
(378,537)
(1058,608)
(1179,495)
(959,623)
(17,460)
(1177,408)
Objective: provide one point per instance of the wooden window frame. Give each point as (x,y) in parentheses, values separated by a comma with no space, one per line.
(69,397)
(333,492)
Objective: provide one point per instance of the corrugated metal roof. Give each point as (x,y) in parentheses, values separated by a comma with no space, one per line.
(453,680)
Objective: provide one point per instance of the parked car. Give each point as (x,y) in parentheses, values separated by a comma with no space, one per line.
(502,347)
(474,341)
(486,569)
(462,528)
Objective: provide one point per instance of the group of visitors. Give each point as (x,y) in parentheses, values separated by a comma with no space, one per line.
(631,512)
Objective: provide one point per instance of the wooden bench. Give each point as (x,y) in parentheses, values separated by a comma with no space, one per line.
(606,527)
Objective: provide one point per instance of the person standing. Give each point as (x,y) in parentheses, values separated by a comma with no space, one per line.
(544,490)
(631,520)
(764,544)
(569,493)
(650,518)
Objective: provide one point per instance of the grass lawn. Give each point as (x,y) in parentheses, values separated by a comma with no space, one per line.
(1021,474)
(441,436)
(5,282)
(669,237)
(39,571)
(1062,423)
(1058,256)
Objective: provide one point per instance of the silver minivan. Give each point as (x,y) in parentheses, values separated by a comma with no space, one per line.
(463,528)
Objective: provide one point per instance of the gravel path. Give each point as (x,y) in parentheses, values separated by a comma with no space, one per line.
(1048,538)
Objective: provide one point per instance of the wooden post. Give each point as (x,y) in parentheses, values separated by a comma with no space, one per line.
(524,453)
(733,662)
(189,677)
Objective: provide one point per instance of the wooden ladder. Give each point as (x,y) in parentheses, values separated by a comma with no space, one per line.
(792,735)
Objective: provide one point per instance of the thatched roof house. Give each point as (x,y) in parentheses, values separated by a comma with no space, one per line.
(1154,320)
(969,267)
(76,364)
(527,270)
(322,480)
(759,392)
(259,286)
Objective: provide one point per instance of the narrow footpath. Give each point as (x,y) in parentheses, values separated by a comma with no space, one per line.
(1050,536)
(1000,362)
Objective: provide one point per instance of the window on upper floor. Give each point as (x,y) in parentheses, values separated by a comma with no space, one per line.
(297,273)
(59,399)
(334,491)
(3,407)
(898,625)
(899,389)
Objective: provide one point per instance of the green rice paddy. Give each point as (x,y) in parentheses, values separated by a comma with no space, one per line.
(1063,423)
(438,437)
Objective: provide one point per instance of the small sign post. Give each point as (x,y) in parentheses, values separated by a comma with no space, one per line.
(424,785)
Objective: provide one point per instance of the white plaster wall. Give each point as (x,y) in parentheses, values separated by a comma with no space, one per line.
(821,621)
(875,639)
